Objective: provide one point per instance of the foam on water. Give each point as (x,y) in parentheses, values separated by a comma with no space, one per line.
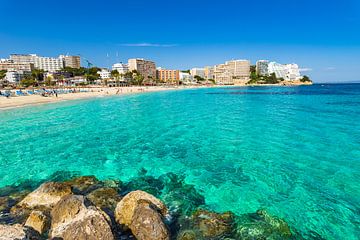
(294,151)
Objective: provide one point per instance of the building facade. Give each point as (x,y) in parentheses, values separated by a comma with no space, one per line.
(10,65)
(262,67)
(186,78)
(14,76)
(209,73)
(232,72)
(121,67)
(145,67)
(104,74)
(288,72)
(71,61)
(168,76)
(198,72)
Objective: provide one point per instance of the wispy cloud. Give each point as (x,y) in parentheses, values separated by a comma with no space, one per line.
(305,69)
(146,45)
(329,68)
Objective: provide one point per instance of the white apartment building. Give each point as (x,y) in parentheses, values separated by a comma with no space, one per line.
(145,67)
(186,78)
(262,67)
(14,76)
(49,64)
(198,72)
(209,72)
(289,72)
(121,67)
(104,74)
(232,72)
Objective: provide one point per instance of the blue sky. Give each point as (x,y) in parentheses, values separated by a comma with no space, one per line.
(323,37)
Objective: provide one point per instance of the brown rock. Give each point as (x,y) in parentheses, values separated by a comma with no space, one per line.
(213,225)
(74,219)
(105,198)
(84,184)
(38,221)
(147,223)
(126,207)
(17,232)
(45,196)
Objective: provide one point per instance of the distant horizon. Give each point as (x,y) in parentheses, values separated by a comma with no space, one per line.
(322,39)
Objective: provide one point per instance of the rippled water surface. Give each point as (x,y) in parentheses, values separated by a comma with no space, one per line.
(294,151)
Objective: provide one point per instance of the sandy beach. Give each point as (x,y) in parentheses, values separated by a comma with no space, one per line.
(20,101)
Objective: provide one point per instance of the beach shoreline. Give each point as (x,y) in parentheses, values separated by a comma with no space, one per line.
(93,92)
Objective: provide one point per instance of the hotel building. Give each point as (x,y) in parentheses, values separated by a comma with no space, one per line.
(288,72)
(104,74)
(168,76)
(10,65)
(145,67)
(198,72)
(71,61)
(262,67)
(121,67)
(209,72)
(232,72)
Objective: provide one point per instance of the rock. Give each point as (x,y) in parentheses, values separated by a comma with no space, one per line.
(188,235)
(126,207)
(38,221)
(213,225)
(73,219)
(147,223)
(105,198)
(5,204)
(84,184)
(261,225)
(45,196)
(17,232)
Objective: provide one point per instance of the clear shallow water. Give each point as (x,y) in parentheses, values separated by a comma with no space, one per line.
(294,151)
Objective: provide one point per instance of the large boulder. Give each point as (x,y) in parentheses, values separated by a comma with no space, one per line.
(38,221)
(126,207)
(45,196)
(73,218)
(144,215)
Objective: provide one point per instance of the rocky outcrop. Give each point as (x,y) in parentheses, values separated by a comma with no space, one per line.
(74,218)
(84,184)
(126,207)
(105,198)
(17,232)
(144,215)
(45,196)
(38,221)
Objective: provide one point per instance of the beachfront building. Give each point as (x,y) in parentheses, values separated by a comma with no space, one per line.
(262,67)
(49,64)
(10,65)
(104,73)
(145,67)
(232,72)
(168,76)
(186,78)
(71,61)
(198,72)
(13,76)
(209,73)
(292,72)
(122,68)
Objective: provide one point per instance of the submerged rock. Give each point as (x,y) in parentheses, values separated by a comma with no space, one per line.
(38,221)
(73,218)
(84,184)
(261,225)
(144,215)
(213,225)
(105,198)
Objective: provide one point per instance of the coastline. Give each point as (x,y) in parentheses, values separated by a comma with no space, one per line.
(92,92)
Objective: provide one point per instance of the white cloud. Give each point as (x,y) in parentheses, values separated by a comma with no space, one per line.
(147,45)
(305,69)
(329,68)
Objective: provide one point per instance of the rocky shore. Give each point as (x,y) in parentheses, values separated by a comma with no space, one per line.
(146,208)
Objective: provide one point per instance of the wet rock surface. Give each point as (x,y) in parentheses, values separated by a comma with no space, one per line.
(144,208)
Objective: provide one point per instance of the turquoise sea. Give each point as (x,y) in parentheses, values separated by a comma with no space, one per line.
(294,151)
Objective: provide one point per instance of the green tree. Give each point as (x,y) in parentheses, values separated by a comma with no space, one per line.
(28,81)
(49,81)
(305,79)
(2,74)
(199,79)
(38,74)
